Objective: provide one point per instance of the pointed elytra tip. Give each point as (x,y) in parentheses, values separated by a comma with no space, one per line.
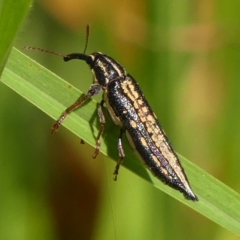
(191,196)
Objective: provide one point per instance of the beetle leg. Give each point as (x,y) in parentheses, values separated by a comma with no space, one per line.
(120,153)
(94,90)
(100,132)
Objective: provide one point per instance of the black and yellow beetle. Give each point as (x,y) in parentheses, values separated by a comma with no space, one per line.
(130,110)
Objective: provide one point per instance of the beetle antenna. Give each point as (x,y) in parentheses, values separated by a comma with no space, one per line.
(43,50)
(87,37)
(59,54)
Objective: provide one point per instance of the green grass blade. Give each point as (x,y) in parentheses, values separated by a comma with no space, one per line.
(52,95)
(12,14)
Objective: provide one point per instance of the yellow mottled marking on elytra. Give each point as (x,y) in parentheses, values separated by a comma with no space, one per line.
(133,124)
(156,131)
(140,112)
(135,94)
(150,118)
(144,109)
(143,119)
(155,159)
(143,141)
(124,87)
(128,91)
(131,96)
(131,86)
(125,90)
(165,172)
(149,125)
(149,129)
(135,104)
(154,138)
(157,144)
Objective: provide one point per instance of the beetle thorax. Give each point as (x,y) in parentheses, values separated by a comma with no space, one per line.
(105,69)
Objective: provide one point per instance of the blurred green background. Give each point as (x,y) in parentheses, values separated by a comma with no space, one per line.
(185,56)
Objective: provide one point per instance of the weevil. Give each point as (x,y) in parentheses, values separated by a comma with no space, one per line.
(129,109)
